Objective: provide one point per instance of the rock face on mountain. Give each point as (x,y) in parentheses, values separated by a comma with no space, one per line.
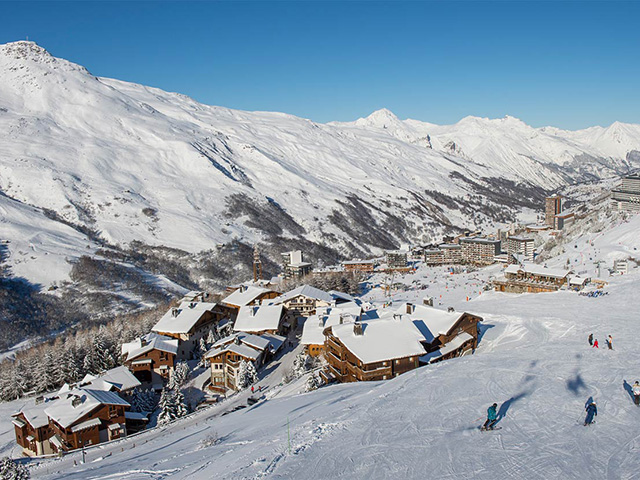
(88,161)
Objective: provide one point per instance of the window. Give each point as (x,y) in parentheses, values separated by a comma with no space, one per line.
(113,411)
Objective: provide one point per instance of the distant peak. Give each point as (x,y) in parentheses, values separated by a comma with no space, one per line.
(380,118)
(24,49)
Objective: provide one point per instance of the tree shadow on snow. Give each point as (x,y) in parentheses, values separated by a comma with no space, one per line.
(628,388)
(576,384)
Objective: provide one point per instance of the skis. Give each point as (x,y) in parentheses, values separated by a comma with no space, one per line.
(489,429)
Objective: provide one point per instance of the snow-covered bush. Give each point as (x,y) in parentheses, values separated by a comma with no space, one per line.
(10,470)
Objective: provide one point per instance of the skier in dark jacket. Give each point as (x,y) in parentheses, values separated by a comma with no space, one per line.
(591,339)
(491,417)
(592,411)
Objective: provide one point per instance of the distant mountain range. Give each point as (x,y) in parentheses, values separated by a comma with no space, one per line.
(88,161)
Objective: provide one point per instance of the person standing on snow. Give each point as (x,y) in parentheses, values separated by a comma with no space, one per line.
(591,339)
(592,411)
(636,393)
(595,343)
(491,417)
(610,342)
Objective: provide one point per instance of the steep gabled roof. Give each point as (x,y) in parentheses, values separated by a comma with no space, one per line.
(183,318)
(245,295)
(256,319)
(147,343)
(66,414)
(307,291)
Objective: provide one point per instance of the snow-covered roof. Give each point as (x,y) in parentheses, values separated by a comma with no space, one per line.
(275,341)
(519,238)
(241,349)
(449,347)
(358,262)
(344,297)
(84,425)
(431,321)
(533,269)
(381,339)
(307,291)
(258,318)
(577,280)
(147,343)
(245,295)
(312,331)
(35,414)
(65,414)
(183,318)
(119,378)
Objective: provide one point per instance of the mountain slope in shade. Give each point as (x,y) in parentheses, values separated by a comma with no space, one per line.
(130,162)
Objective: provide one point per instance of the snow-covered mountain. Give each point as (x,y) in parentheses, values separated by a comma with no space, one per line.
(126,162)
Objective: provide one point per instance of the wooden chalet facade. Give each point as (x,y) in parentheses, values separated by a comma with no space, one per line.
(151,358)
(384,348)
(228,353)
(189,322)
(76,418)
(531,278)
(32,431)
(303,301)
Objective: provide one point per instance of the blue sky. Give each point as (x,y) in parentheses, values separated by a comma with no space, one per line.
(568,64)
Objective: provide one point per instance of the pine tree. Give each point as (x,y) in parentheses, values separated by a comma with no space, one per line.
(212,337)
(201,351)
(171,406)
(179,376)
(10,470)
(301,364)
(44,373)
(246,374)
(143,401)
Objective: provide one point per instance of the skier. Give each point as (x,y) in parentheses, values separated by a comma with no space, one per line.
(591,339)
(252,389)
(595,343)
(491,417)
(610,342)
(636,393)
(592,411)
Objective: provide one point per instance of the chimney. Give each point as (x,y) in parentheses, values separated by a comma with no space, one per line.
(409,309)
(192,305)
(451,309)
(357,329)
(143,342)
(175,311)
(76,401)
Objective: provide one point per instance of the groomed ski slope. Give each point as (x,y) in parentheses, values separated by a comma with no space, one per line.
(534,361)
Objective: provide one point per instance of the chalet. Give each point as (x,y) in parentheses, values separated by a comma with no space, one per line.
(248,295)
(401,341)
(84,417)
(531,278)
(195,296)
(577,282)
(304,300)
(151,358)
(364,266)
(119,380)
(479,250)
(520,247)
(227,354)
(262,319)
(313,330)
(31,428)
(188,323)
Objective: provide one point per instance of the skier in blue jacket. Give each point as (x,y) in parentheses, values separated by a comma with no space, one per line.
(592,411)
(491,417)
